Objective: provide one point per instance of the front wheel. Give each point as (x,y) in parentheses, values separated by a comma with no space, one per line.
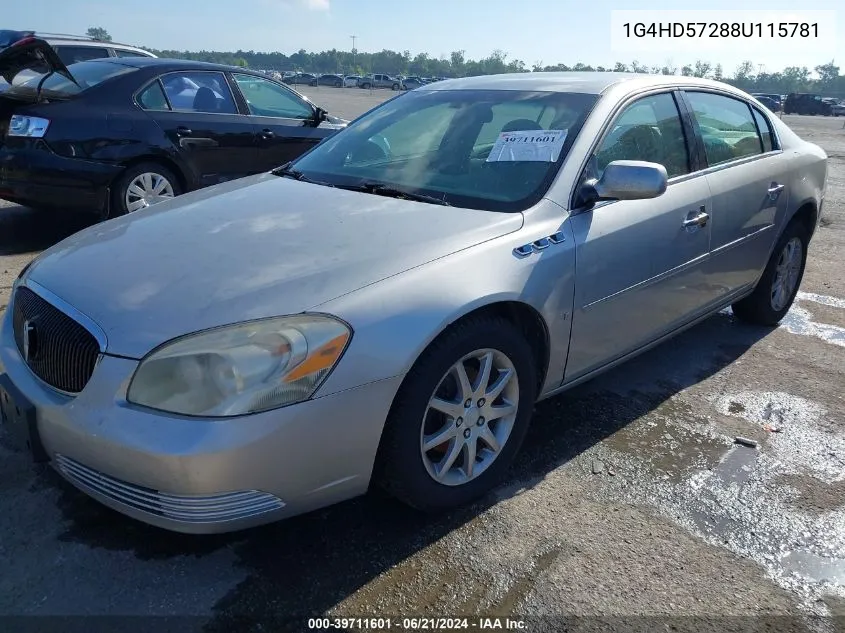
(777,288)
(460,416)
(395,86)
(365,86)
(141,186)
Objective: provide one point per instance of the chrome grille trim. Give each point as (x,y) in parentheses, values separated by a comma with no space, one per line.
(230,506)
(69,344)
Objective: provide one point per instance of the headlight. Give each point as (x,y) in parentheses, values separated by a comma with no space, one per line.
(240,369)
(28,126)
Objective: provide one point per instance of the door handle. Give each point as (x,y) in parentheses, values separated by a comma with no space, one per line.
(266,134)
(774,189)
(699,220)
(183,131)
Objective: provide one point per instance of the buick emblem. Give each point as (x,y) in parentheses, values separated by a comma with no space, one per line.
(30,341)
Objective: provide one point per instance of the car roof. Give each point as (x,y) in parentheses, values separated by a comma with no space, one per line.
(581,82)
(164,64)
(73,40)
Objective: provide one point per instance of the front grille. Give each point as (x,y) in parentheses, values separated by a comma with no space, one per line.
(229,506)
(61,352)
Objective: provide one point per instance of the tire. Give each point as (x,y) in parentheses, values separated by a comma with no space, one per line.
(395,87)
(404,470)
(365,86)
(121,200)
(761,306)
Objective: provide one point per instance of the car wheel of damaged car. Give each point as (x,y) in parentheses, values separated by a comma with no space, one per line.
(142,186)
(460,416)
(780,281)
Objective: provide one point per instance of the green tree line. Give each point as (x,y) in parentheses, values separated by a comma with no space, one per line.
(747,76)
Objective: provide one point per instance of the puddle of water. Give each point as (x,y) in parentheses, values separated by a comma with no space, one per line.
(814,567)
(667,447)
(802,445)
(737,466)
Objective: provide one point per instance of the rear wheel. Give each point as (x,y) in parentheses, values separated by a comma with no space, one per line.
(777,288)
(141,186)
(460,416)
(395,87)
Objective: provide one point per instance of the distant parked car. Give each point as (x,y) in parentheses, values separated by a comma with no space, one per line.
(336,81)
(351,81)
(380,81)
(117,135)
(299,79)
(806,103)
(770,103)
(773,98)
(409,83)
(838,108)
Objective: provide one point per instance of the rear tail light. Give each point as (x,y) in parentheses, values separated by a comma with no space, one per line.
(27,126)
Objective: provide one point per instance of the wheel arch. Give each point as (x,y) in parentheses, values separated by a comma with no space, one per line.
(164,161)
(523,316)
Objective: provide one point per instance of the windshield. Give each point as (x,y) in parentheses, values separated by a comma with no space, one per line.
(87,74)
(487,149)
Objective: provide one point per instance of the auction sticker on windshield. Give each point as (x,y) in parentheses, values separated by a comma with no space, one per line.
(527,145)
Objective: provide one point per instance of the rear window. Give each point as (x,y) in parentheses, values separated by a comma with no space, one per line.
(86,74)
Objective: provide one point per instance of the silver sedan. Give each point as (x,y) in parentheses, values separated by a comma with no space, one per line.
(387,309)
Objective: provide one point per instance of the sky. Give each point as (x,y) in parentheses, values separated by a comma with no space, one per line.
(545,31)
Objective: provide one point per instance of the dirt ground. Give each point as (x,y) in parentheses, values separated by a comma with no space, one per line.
(630,508)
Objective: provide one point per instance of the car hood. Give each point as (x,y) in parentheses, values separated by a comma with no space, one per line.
(256,247)
(20,50)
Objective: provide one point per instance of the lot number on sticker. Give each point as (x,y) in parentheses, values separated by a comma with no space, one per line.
(527,145)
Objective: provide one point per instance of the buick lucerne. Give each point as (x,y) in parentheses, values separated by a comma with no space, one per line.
(386,309)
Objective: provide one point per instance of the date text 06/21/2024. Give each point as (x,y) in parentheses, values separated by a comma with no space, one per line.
(417,624)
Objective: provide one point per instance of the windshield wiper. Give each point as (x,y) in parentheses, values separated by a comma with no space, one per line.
(286,171)
(381,189)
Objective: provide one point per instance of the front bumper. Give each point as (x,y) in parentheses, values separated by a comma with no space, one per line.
(33,175)
(197,475)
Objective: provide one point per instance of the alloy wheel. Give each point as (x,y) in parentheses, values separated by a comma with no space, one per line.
(469,417)
(787,272)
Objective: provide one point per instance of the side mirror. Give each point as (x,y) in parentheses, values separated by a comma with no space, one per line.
(627,180)
(320,115)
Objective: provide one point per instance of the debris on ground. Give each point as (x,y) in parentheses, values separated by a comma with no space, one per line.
(745,441)
(770,428)
(598,467)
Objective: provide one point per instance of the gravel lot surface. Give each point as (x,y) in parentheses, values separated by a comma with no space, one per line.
(630,500)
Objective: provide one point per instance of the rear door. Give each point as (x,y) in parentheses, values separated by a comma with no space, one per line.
(748,176)
(285,124)
(198,114)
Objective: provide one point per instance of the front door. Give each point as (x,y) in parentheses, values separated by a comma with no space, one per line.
(285,124)
(640,263)
(201,120)
(748,176)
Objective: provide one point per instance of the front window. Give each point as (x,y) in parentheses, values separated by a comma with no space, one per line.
(87,75)
(486,149)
